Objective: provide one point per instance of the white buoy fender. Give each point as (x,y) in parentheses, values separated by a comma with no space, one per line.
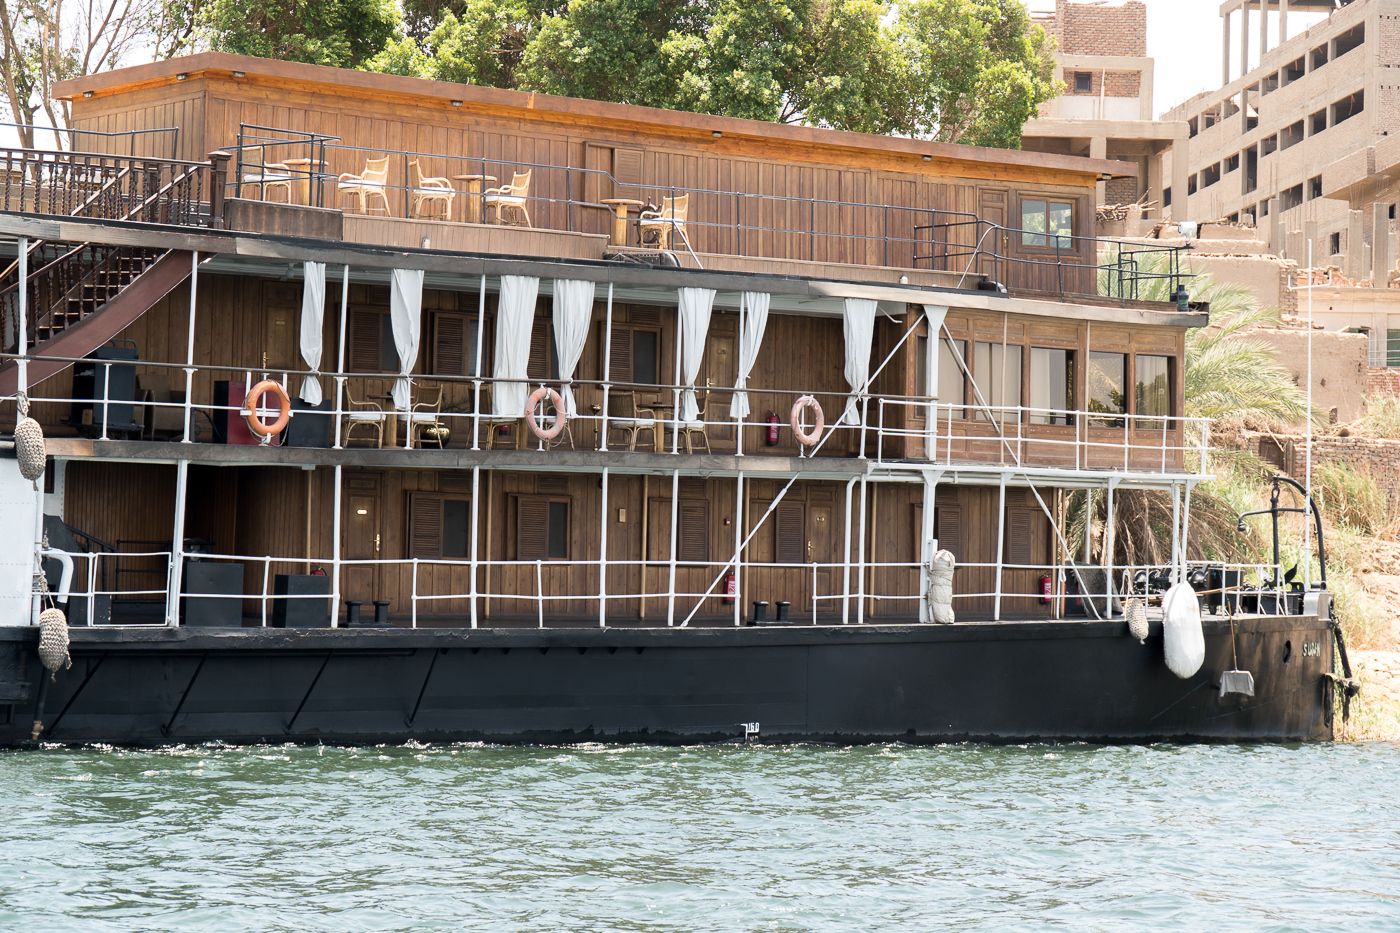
(940,597)
(1181,631)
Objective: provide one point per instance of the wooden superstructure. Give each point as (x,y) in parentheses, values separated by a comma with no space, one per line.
(1009,358)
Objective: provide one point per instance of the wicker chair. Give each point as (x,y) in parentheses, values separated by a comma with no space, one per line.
(370,183)
(657,226)
(364,414)
(425,413)
(697,426)
(625,416)
(509,199)
(437,193)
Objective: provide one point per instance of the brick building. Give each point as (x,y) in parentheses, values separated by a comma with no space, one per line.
(1106,108)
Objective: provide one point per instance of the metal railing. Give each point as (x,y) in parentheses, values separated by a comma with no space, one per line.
(107,187)
(104,135)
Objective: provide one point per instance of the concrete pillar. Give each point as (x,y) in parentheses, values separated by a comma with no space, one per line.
(1282,21)
(1356,238)
(1098,149)
(1278,241)
(1244,38)
(1181,164)
(1310,235)
(1382,250)
(1154,183)
(1225,50)
(1263,29)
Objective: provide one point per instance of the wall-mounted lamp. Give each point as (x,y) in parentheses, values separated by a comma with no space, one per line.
(456,103)
(1105,177)
(181,76)
(928,158)
(240,74)
(716,134)
(87,94)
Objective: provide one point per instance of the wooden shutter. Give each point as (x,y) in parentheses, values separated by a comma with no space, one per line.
(1018,536)
(424,524)
(596,184)
(627,171)
(948,519)
(532,528)
(694,531)
(364,340)
(450,343)
(538,368)
(790,530)
(621,353)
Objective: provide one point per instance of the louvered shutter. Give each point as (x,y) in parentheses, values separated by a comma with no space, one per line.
(424,525)
(949,521)
(791,531)
(449,343)
(694,526)
(621,353)
(364,340)
(532,528)
(1018,536)
(627,171)
(538,368)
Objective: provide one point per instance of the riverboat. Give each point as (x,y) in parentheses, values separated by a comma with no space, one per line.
(377,408)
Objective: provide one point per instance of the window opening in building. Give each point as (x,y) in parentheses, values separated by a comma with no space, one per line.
(1251,169)
(1317,58)
(1317,122)
(1315,187)
(1191,127)
(1234,218)
(1391,215)
(1052,382)
(1348,107)
(1263,209)
(1269,84)
(1041,217)
(1292,72)
(1392,348)
(1209,118)
(1351,39)
(1232,163)
(1290,198)
(1229,107)
(1166,197)
(1191,184)
(1334,243)
(1083,82)
(1106,380)
(1291,135)
(1153,392)
(1210,176)
(997,370)
(1268,145)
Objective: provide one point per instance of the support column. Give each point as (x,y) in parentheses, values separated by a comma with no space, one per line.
(340,359)
(1355,239)
(860,559)
(675,504)
(1263,29)
(1225,50)
(189,352)
(335,548)
(1278,236)
(480,337)
(476,534)
(22,366)
(603,555)
(1244,38)
(738,548)
(846,558)
(177,546)
(928,545)
(1098,149)
(1382,250)
(607,374)
(1282,21)
(1181,178)
(1109,542)
(1001,544)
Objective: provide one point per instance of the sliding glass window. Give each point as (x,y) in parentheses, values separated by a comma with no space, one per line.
(997,371)
(1052,382)
(1106,387)
(1154,392)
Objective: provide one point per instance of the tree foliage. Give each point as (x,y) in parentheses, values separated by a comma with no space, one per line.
(342,33)
(954,70)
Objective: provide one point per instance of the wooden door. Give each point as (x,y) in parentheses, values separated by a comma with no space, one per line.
(280,333)
(723,368)
(821,520)
(361,539)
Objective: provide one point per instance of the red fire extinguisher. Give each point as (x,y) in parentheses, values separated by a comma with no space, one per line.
(1045,590)
(731,590)
(773,423)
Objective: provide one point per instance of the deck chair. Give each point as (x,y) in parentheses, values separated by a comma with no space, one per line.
(424,413)
(509,199)
(368,415)
(656,226)
(361,188)
(434,193)
(697,426)
(625,416)
(494,423)
(265,179)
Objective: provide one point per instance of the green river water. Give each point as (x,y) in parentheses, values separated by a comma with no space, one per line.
(727,838)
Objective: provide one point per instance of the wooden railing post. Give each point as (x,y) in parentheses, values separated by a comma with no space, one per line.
(218,179)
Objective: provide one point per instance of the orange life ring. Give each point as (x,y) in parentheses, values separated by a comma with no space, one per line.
(809,440)
(251,403)
(553,430)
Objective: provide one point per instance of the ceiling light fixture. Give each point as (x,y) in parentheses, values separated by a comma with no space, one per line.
(716,134)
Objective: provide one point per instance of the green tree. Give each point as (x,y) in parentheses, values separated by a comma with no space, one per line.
(473,42)
(968,71)
(341,33)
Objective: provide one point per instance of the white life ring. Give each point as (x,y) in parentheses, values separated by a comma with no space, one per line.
(809,440)
(550,433)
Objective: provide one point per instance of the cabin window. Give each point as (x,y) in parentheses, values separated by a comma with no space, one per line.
(372,342)
(1039,218)
(439,526)
(1106,384)
(636,353)
(947,525)
(1019,536)
(952,384)
(454,344)
(1153,396)
(997,371)
(692,526)
(542,528)
(1052,381)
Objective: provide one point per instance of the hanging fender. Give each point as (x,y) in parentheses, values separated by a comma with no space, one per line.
(255,424)
(803,437)
(551,432)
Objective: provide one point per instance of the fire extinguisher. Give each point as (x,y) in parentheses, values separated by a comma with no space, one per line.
(1045,590)
(730,589)
(773,423)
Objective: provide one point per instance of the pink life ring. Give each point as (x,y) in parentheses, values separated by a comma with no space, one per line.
(550,433)
(809,440)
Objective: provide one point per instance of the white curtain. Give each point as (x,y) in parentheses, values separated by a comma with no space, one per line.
(515,316)
(313,308)
(695,307)
(753,307)
(405,313)
(858,318)
(573,309)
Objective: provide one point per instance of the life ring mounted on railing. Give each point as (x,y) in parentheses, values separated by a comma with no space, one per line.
(284,402)
(808,440)
(551,432)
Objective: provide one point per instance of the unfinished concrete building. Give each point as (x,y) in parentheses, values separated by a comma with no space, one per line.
(1106,108)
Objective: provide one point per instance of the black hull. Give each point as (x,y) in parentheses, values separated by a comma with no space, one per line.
(1000,682)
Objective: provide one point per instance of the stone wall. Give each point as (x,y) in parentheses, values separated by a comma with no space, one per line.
(1377,457)
(1382,381)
